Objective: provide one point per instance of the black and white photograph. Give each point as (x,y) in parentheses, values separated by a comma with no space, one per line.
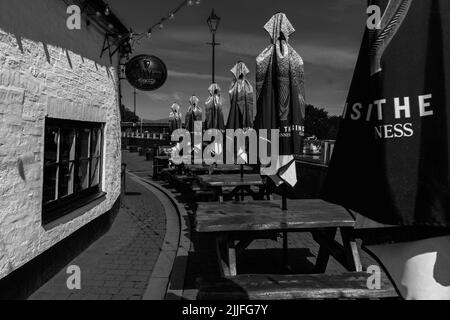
(221,157)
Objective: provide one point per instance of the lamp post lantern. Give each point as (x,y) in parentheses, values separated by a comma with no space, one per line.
(213,23)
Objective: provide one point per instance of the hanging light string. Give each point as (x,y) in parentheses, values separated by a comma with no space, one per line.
(160,24)
(131,38)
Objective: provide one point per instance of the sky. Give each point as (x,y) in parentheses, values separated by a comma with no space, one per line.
(328,37)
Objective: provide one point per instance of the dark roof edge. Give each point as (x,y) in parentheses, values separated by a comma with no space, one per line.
(100,5)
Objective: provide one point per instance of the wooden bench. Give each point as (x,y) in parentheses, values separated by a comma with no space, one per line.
(352,285)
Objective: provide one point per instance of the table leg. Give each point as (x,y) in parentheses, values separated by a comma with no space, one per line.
(269,195)
(218,194)
(232,257)
(236,193)
(226,256)
(223,264)
(351,250)
(285,251)
(323,255)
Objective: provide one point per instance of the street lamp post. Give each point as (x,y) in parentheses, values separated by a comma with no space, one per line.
(213,23)
(134,104)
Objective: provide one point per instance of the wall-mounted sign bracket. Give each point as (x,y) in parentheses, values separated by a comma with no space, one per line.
(113,43)
(106,47)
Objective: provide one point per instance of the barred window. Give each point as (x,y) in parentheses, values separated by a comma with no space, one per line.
(72,166)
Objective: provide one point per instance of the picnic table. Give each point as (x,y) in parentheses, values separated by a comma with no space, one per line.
(231,168)
(240,185)
(196,169)
(235,225)
(159,163)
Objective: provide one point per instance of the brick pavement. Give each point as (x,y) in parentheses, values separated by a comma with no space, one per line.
(119,264)
(137,164)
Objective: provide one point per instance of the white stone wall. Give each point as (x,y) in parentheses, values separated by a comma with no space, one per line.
(45,69)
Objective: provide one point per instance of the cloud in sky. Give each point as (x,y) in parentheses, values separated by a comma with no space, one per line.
(250,45)
(166,97)
(193,75)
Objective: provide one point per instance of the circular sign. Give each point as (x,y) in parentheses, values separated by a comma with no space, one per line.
(146,73)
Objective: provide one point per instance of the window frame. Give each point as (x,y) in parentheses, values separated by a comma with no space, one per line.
(64,205)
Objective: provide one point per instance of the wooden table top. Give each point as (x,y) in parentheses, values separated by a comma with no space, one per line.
(267,215)
(231,168)
(220,169)
(231,180)
(162,157)
(196,167)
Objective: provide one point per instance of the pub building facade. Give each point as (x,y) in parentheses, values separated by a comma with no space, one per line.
(60,158)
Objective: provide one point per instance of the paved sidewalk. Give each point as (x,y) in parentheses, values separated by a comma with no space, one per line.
(118,265)
(137,164)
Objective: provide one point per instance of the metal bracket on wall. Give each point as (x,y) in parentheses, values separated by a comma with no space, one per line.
(117,38)
(106,46)
(110,43)
(115,43)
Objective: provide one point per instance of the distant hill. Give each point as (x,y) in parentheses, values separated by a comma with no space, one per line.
(165,120)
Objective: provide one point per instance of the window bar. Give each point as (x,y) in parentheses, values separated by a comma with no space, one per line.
(58,161)
(91,145)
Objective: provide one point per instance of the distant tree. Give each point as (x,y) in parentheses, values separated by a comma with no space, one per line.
(335,122)
(320,124)
(128,115)
(316,122)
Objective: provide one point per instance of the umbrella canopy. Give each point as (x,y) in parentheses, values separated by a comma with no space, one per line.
(194,113)
(392,149)
(281,96)
(241,98)
(213,109)
(175,118)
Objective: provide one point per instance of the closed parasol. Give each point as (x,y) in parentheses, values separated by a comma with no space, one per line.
(193,114)
(175,118)
(213,109)
(241,98)
(214,118)
(281,97)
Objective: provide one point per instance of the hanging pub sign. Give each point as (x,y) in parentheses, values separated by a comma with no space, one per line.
(146,72)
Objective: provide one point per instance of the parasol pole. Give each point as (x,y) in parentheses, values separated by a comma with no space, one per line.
(285,235)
